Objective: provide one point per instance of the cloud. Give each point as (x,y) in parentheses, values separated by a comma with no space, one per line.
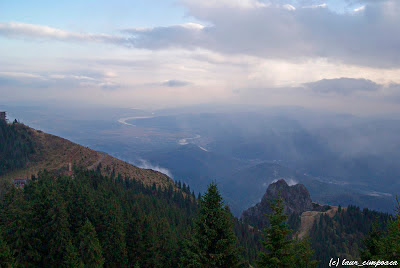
(175,83)
(187,36)
(147,165)
(289,181)
(343,86)
(58,80)
(366,35)
(274,31)
(24,30)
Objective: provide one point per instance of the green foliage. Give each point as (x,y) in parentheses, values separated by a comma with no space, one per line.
(6,258)
(71,258)
(280,250)
(15,147)
(342,235)
(372,243)
(303,254)
(383,245)
(213,243)
(89,246)
(94,221)
(277,242)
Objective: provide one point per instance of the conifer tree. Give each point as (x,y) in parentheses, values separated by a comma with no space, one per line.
(303,254)
(372,243)
(6,258)
(277,243)
(58,235)
(390,246)
(134,237)
(89,246)
(113,239)
(71,258)
(213,243)
(16,228)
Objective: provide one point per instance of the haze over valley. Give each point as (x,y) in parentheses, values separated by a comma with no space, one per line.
(342,159)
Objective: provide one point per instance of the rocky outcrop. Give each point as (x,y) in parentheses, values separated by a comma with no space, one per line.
(296,199)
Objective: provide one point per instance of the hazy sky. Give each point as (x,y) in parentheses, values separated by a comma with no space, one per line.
(342,55)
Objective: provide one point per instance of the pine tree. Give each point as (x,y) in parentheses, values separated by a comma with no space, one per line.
(277,243)
(303,254)
(17,229)
(58,235)
(390,247)
(372,243)
(6,258)
(89,246)
(213,243)
(71,257)
(113,236)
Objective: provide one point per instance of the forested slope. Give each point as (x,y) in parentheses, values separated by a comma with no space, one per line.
(57,220)
(342,235)
(16,146)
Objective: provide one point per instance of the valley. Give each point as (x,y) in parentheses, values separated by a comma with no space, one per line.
(244,152)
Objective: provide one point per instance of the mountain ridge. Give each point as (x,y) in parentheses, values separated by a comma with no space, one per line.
(53,153)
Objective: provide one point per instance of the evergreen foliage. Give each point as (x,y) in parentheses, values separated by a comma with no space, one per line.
(280,250)
(342,235)
(303,254)
(15,147)
(94,221)
(383,244)
(213,243)
(6,258)
(89,246)
(277,242)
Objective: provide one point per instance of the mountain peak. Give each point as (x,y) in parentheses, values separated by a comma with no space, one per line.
(296,199)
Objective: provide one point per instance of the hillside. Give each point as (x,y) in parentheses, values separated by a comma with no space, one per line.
(53,153)
(333,231)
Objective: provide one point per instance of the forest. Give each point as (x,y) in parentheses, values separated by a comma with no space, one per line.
(15,146)
(91,219)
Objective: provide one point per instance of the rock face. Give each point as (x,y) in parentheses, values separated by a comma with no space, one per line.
(296,199)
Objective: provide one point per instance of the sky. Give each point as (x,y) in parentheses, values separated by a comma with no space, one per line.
(339,55)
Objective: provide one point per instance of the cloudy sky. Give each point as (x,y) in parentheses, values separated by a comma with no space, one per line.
(342,55)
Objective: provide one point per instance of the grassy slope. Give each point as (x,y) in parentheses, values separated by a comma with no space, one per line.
(52,153)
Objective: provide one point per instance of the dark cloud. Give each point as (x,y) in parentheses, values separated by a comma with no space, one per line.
(370,37)
(175,83)
(343,86)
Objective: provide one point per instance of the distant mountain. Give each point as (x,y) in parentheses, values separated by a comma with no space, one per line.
(296,199)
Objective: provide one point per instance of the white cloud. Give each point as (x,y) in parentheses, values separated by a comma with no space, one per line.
(243,4)
(359,9)
(58,80)
(289,7)
(324,5)
(16,29)
(273,30)
(147,165)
